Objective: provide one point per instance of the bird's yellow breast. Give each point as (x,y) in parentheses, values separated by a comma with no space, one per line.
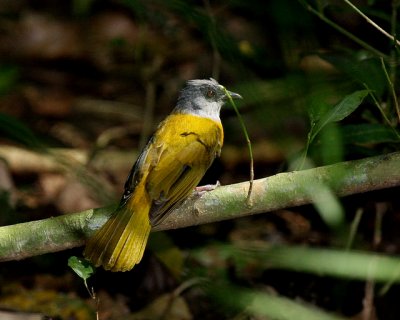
(178,130)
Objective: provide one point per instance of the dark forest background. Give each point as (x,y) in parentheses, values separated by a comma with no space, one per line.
(93,79)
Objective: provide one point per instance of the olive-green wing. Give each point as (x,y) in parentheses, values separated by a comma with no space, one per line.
(180,167)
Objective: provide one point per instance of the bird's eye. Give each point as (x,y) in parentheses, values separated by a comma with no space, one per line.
(210,93)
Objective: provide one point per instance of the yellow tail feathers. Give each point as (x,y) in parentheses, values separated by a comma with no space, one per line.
(119,244)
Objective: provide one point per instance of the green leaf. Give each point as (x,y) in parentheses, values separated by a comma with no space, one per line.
(343,109)
(83,268)
(317,102)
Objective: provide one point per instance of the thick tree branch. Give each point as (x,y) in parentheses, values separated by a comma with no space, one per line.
(226,202)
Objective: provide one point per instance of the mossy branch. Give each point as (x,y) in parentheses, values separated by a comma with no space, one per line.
(227,202)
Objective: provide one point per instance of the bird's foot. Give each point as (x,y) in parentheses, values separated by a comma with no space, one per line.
(200,190)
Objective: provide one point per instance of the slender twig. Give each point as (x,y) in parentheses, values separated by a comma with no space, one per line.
(353,228)
(248,199)
(368,301)
(393,91)
(395,51)
(216,61)
(343,31)
(381,110)
(375,25)
(305,151)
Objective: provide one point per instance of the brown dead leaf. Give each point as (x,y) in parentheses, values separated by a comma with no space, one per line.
(51,184)
(167,306)
(75,197)
(110,307)
(49,101)
(7,183)
(67,194)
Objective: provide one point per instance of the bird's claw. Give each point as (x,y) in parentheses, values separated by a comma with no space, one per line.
(200,190)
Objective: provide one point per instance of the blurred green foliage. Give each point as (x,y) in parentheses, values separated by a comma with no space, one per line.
(8,78)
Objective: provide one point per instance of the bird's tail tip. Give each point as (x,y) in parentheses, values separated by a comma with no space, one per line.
(120,243)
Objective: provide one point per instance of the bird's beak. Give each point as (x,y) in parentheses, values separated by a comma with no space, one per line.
(234,95)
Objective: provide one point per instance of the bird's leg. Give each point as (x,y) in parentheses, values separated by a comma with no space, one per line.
(200,190)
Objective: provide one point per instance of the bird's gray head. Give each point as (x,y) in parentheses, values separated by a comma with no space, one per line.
(203,97)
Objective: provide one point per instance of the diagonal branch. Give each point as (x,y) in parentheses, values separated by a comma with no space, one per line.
(228,202)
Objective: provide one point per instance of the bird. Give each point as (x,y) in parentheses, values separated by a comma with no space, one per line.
(166,172)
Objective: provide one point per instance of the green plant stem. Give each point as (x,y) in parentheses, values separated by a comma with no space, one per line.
(305,152)
(395,51)
(393,91)
(354,228)
(381,111)
(226,202)
(343,31)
